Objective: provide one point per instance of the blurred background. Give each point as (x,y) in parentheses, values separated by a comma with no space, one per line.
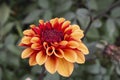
(102,39)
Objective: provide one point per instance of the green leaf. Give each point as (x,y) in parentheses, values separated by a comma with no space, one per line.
(115,12)
(93,34)
(6,29)
(0,73)
(52,76)
(19,29)
(3,57)
(103,4)
(118,22)
(93,68)
(13,49)
(8,75)
(98,77)
(43,4)
(118,69)
(92,4)
(10,44)
(36,69)
(82,15)
(4,13)
(13,61)
(103,70)
(97,23)
(92,48)
(106,77)
(47,15)
(110,31)
(64,6)
(70,15)
(78,70)
(1,45)
(32,16)
(10,39)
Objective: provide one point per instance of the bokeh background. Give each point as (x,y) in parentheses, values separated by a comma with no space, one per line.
(102,39)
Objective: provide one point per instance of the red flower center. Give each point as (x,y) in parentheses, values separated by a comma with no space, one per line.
(51,35)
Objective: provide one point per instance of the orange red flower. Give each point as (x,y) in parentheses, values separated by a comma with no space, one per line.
(56,44)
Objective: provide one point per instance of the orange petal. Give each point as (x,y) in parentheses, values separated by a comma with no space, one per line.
(41,22)
(83,48)
(70,55)
(73,44)
(35,40)
(20,44)
(68,28)
(32,26)
(80,57)
(26,40)
(36,46)
(59,53)
(75,27)
(61,20)
(66,36)
(50,50)
(51,64)
(54,21)
(65,68)
(32,60)
(41,58)
(63,43)
(77,35)
(29,32)
(27,52)
(65,24)
(45,45)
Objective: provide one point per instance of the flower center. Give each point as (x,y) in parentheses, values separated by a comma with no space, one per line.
(51,35)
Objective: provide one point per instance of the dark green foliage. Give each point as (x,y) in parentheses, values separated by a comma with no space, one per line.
(17,15)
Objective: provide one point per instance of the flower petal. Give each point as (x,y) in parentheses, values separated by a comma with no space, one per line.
(68,29)
(32,60)
(26,53)
(61,20)
(45,45)
(70,55)
(63,43)
(64,68)
(83,48)
(77,35)
(35,29)
(59,53)
(41,57)
(32,26)
(41,22)
(80,57)
(50,50)
(73,44)
(35,40)
(66,37)
(54,22)
(36,46)
(51,64)
(65,24)
(28,32)
(75,27)
(26,40)
(21,44)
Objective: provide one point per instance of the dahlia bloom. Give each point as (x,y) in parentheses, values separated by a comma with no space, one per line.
(56,44)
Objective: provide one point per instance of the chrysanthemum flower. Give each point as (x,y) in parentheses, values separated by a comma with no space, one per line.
(56,44)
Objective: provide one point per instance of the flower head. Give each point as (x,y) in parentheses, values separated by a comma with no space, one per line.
(56,44)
